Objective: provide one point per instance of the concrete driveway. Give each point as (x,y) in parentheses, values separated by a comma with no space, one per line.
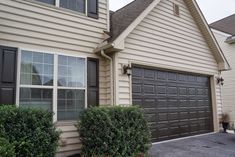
(213,145)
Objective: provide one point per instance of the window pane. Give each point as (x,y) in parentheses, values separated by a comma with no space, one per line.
(39,98)
(71,71)
(62,81)
(26,68)
(75,5)
(36,80)
(27,57)
(26,79)
(92,6)
(48,59)
(36,68)
(63,70)
(48,80)
(70,103)
(38,57)
(48,69)
(47,1)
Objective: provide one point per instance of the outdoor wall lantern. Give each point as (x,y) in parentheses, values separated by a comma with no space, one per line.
(220,81)
(127,70)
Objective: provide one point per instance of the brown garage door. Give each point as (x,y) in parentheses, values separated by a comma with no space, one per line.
(175,104)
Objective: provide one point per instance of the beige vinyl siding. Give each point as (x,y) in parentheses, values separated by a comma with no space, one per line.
(163,40)
(228,90)
(105,84)
(31,25)
(219,100)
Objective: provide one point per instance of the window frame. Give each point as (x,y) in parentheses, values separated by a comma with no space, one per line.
(55,86)
(57,5)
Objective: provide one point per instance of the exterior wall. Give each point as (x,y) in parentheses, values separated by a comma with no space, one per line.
(26,24)
(163,40)
(228,90)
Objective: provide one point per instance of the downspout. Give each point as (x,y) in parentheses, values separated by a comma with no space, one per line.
(111,75)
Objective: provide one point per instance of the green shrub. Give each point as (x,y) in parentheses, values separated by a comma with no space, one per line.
(113,132)
(30,131)
(6,149)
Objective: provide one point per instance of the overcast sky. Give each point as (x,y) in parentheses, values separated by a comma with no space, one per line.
(212,9)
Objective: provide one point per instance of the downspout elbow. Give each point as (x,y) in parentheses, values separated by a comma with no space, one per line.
(106,56)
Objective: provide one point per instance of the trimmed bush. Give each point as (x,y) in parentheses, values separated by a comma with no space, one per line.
(30,131)
(6,149)
(113,132)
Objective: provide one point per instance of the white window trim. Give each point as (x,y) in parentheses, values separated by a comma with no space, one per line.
(57,4)
(55,85)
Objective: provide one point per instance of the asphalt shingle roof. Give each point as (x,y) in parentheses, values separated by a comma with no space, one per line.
(123,17)
(226,25)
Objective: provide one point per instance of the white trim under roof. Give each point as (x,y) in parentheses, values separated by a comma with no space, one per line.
(220,32)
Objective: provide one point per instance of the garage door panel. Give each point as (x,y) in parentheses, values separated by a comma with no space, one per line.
(161,102)
(149,74)
(148,96)
(149,103)
(150,117)
(149,88)
(162,116)
(161,75)
(137,88)
(172,90)
(183,115)
(150,111)
(175,104)
(148,81)
(192,91)
(137,101)
(172,76)
(182,91)
(137,72)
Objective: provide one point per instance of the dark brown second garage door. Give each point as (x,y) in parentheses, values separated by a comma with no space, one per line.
(175,104)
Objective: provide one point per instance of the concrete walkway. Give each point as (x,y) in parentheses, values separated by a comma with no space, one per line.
(213,145)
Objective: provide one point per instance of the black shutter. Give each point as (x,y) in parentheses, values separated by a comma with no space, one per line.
(92,8)
(8,63)
(93,82)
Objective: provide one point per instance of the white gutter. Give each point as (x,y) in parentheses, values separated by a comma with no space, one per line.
(111,75)
(230,40)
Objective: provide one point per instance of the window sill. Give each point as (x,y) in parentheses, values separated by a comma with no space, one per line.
(55,8)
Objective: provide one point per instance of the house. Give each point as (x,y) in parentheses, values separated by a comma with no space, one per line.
(224,32)
(66,56)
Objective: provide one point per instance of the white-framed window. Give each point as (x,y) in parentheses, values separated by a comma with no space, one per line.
(74,5)
(87,7)
(54,82)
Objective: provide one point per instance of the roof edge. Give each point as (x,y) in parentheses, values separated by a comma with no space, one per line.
(133,25)
(220,32)
(198,16)
(223,63)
